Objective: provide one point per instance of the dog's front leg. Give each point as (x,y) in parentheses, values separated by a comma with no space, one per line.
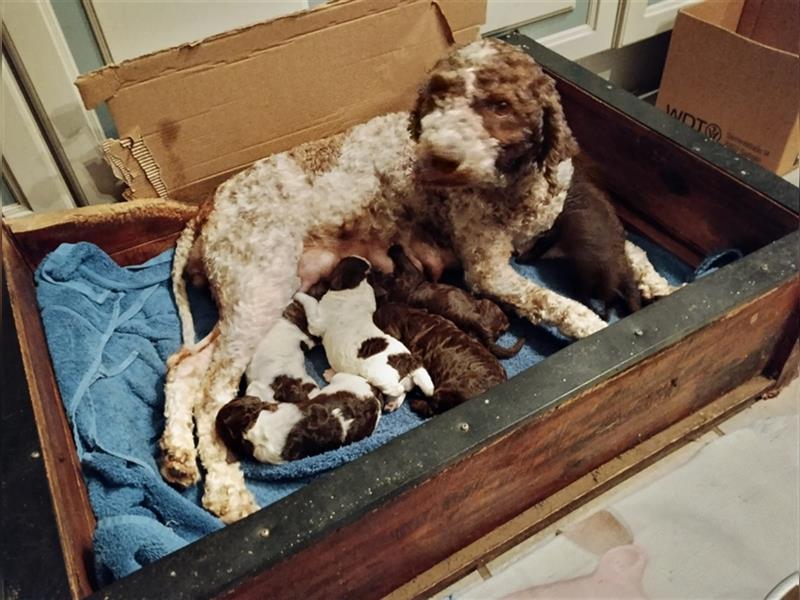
(486,259)
(650,283)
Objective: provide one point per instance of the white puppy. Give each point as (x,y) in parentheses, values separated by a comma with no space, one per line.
(353,343)
(279,365)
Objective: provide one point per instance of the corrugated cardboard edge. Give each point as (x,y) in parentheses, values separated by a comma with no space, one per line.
(102,84)
(134,165)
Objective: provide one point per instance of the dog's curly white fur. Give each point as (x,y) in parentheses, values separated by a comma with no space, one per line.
(486,165)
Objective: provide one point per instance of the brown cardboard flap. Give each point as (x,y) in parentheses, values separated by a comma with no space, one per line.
(774,23)
(731,88)
(208,109)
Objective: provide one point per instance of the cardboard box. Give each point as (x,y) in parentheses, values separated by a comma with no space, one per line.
(733,74)
(190,117)
(449,495)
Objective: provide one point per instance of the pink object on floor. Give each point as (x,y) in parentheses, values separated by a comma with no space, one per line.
(618,576)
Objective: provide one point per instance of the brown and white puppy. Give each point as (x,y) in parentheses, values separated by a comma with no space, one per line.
(299,424)
(477,316)
(485,163)
(461,367)
(591,237)
(280,362)
(352,342)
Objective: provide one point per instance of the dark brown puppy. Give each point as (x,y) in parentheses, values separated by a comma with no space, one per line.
(590,235)
(477,316)
(459,365)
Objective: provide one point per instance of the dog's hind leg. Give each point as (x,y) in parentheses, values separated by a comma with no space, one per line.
(486,258)
(183,389)
(251,302)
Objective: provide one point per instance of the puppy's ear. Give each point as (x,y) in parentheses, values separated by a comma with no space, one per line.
(557,142)
(349,273)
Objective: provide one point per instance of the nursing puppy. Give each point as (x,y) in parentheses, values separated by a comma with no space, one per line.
(352,342)
(299,424)
(279,364)
(478,316)
(591,237)
(461,367)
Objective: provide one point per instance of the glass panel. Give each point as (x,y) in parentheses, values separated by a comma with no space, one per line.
(83,47)
(578,16)
(8,199)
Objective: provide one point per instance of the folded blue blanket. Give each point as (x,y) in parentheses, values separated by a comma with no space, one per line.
(110,330)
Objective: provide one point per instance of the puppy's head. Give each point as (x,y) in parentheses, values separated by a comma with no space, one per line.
(349,273)
(486,114)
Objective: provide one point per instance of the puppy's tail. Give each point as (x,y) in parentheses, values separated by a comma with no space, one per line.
(182,250)
(422,380)
(501,352)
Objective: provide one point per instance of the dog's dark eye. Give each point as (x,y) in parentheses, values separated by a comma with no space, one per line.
(499,107)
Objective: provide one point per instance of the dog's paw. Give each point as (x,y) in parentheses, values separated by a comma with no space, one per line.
(328,374)
(179,466)
(393,403)
(226,495)
(582,322)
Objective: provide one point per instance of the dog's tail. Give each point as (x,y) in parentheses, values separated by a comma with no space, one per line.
(183,249)
(501,352)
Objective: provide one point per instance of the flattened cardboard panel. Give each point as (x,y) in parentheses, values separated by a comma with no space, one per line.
(210,109)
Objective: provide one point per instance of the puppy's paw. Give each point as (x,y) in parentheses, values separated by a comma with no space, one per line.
(393,403)
(328,375)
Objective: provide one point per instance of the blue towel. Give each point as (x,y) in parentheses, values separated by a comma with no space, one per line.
(110,330)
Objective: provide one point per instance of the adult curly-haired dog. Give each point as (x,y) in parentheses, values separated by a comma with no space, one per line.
(485,162)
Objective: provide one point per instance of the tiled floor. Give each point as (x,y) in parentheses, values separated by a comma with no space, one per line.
(719,518)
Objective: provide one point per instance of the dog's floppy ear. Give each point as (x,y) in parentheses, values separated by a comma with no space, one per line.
(349,273)
(415,116)
(557,142)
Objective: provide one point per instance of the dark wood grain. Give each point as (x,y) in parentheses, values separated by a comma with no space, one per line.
(74,517)
(667,192)
(129,232)
(372,556)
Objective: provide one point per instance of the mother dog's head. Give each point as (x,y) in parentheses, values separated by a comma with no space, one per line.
(487,114)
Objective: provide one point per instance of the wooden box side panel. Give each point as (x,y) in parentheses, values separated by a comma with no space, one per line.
(129,232)
(443,514)
(668,193)
(73,513)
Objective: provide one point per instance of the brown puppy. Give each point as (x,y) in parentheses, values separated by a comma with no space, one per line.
(459,365)
(479,317)
(590,235)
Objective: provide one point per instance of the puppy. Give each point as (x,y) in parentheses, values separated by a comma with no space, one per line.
(352,342)
(480,317)
(460,365)
(279,365)
(345,411)
(590,235)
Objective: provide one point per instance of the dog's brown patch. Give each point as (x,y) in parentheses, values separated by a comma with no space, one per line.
(290,389)
(371,347)
(403,363)
(349,273)
(318,156)
(235,419)
(296,314)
